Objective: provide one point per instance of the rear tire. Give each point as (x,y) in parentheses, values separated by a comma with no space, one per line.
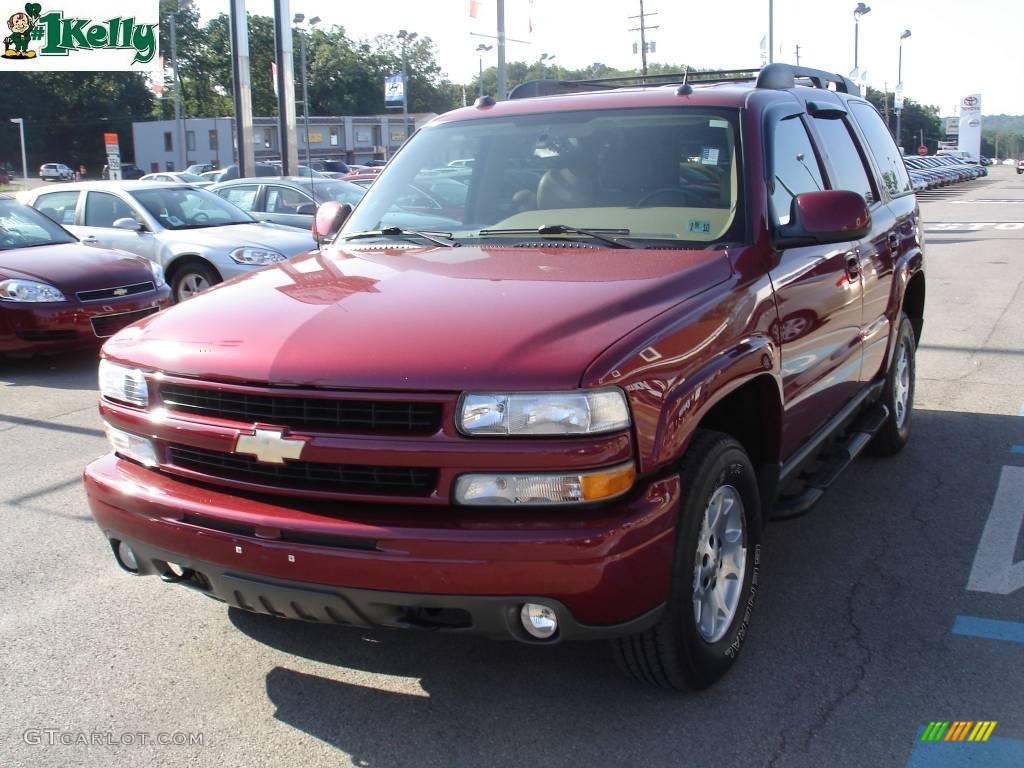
(693,645)
(898,393)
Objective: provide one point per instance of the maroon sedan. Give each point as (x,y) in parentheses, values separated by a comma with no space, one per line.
(56,293)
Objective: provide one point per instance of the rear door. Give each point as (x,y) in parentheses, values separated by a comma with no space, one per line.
(817,294)
(61,207)
(881,297)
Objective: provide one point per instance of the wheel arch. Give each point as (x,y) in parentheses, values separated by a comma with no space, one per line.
(913,303)
(182,260)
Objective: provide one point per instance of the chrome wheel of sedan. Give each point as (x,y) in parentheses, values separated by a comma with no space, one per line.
(720,564)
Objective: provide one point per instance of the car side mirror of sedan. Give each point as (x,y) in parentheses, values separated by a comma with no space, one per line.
(130,224)
(329,219)
(821,218)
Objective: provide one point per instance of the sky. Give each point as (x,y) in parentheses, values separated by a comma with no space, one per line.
(955,49)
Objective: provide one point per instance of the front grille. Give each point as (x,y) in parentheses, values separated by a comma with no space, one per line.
(368,416)
(306,475)
(115,293)
(108,325)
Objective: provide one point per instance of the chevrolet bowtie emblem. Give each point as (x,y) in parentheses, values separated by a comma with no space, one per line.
(269,446)
(120,291)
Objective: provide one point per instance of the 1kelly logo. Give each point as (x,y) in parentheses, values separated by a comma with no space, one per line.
(61,35)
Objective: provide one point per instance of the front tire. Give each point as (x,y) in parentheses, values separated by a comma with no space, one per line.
(898,393)
(193,278)
(715,573)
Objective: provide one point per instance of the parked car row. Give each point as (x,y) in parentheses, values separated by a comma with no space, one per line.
(934,171)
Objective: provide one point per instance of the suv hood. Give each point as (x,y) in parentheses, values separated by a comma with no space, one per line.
(428,319)
(288,240)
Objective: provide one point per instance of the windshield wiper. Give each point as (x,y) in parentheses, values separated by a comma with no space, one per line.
(433,237)
(548,230)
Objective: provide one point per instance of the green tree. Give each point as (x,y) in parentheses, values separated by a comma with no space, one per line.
(917,119)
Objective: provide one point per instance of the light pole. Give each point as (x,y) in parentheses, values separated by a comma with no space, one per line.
(406,38)
(298,19)
(898,104)
(543,70)
(24,160)
(860,10)
(480,51)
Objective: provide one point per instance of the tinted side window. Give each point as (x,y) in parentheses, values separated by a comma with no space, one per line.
(883,149)
(59,206)
(796,167)
(837,144)
(102,210)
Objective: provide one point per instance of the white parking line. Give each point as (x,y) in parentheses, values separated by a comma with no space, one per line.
(974,226)
(994,569)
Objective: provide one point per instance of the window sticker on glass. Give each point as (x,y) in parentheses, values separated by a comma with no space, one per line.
(709,156)
(699,227)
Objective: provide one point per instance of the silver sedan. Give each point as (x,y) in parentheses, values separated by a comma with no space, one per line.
(198,237)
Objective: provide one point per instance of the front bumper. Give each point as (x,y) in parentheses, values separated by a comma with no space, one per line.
(605,571)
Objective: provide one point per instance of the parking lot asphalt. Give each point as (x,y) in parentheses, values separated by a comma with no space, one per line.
(852,651)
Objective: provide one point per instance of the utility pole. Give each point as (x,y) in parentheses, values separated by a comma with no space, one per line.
(798,54)
(642,29)
(502,93)
(242,87)
(172,19)
(771,32)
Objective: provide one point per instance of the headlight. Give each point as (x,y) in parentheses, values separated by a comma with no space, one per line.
(158,274)
(256,256)
(126,385)
(544,488)
(29,291)
(134,447)
(583,412)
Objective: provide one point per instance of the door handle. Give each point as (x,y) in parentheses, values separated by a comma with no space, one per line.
(90,240)
(894,242)
(853,265)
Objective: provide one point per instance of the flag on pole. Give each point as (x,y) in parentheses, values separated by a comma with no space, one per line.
(273,76)
(529,20)
(474,8)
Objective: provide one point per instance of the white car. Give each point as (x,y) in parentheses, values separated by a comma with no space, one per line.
(198,238)
(56,172)
(177,177)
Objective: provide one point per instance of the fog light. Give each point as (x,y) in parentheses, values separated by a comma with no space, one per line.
(127,556)
(539,620)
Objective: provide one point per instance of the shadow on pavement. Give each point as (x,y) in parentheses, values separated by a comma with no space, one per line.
(69,370)
(853,630)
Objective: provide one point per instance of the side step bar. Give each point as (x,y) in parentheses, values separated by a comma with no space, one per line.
(832,463)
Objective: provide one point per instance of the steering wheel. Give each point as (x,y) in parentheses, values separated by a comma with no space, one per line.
(675,195)
(200,218)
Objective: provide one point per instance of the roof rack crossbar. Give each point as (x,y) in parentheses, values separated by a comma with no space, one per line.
(782,76)
(533,88)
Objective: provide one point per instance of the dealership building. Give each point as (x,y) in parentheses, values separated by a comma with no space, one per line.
(163,145)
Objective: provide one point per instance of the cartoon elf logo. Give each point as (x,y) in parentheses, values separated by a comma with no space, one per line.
(21,26)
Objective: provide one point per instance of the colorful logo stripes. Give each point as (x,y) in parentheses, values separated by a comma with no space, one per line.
(958,730)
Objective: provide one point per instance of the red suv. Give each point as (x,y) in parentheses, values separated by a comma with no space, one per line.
(501,423)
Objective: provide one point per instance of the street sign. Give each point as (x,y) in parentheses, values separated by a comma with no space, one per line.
(922,150)
(110,139)
(114,166)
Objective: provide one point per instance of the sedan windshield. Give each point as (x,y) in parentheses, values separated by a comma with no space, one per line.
(651,174)
(187,208)
(24,227)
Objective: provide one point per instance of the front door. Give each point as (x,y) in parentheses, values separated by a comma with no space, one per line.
(102,209)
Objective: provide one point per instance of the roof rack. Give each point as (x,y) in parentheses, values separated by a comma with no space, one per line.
(533,88)
(772,76)
(781,76)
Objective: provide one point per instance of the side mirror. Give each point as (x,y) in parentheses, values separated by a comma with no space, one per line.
(821,218)
(306,209)
(130,224)
(329,219)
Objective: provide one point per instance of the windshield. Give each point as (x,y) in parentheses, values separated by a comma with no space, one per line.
(341,191)
(667,175)
(182,208)
(24,227)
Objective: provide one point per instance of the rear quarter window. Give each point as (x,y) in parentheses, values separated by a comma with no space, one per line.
(883,149)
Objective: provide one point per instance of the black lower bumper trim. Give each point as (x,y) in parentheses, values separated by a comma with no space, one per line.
(491,616)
